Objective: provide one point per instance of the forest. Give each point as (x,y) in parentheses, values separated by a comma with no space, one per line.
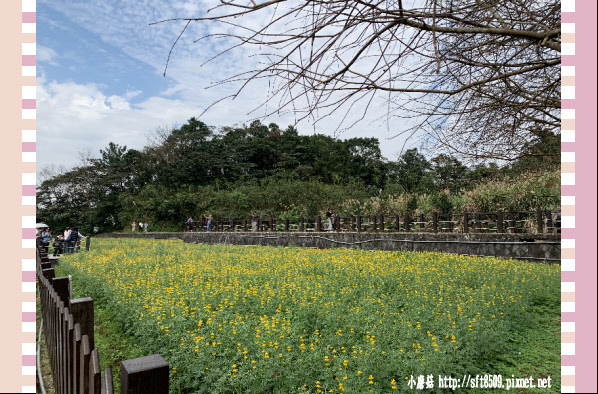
(228,172)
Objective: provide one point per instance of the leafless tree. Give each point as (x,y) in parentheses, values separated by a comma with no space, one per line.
(468,77)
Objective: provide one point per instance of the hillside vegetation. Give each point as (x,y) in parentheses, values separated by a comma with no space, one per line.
(231,171)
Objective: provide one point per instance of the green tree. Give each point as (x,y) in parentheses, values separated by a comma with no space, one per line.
(449,173)
(413,172)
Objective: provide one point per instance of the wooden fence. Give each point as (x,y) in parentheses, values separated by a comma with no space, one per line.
(74,361)
(530,222)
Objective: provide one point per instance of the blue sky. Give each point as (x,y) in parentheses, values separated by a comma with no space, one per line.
(85,57)
(100,78)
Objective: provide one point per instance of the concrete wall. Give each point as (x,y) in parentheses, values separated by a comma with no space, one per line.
(519,246)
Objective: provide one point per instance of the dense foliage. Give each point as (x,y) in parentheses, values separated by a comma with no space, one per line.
(241,319)
(230,172)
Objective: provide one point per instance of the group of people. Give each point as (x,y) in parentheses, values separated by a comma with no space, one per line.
(64,242)
(208,219)
(142,226)
(254,221)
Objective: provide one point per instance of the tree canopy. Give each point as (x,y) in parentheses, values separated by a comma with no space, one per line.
(231,171)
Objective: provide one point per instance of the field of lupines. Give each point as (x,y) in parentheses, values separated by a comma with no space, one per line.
(265,319)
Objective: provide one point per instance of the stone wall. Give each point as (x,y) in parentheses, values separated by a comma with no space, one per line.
(546,248)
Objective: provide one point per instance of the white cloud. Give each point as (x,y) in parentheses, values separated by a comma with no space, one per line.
(45,55)
(75,117)
(130,94)
(118,103)
(188,7)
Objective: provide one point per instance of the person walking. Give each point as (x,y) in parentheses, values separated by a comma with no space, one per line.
(209,223)
(73,238)
(329,218)
(133,227)
(189,224)
(145,227)
(254,221)
(46,238)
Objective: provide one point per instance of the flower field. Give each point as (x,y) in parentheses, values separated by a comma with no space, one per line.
(264,319)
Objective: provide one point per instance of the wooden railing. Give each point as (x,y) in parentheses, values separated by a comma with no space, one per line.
(528,222)
(74,361)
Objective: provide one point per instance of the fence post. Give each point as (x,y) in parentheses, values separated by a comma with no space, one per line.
(338,224)
(245,225)
(375,224)
(82,311)
(435,221)
(407,229)
(84,362)
(61,286)
(382,224)
(478,223)
(465,222)
(70,353)
(540,222)
(549,224)
(422,225)
(56,341)
(50,323)
(94,372)
(272,224)
(52,329)
(319,223)
(60,348)
(358,223)
(43,257)
(512,221)
(87,242)
(302,219)
(499,221)
(107,383)
(65,349)
(286,224)
(77,358)
(148,375)
(48,273)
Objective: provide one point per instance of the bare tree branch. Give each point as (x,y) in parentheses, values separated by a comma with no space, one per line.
(467,76)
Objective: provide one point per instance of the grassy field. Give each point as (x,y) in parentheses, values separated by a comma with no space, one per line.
(264,319)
